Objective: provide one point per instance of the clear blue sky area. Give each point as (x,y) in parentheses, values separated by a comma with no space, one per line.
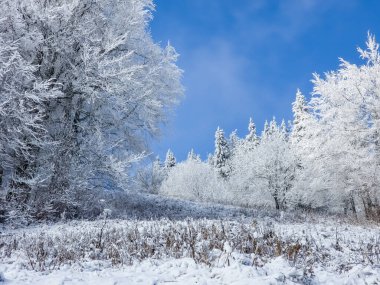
(246,58)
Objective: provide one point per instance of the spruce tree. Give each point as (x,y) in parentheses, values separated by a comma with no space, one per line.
(251,139)
(234,139)
(222,154)
(170,160)
(265,132)
(284,130)
(300,113)
(273,126)
(193,156)
(234,143)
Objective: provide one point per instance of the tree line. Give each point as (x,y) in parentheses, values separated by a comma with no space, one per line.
(326,159)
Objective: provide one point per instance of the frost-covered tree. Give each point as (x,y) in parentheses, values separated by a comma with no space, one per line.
(193,156)
(300,118)
(273,127)
(241,180)
(222,154)
(234,141)
(365,79)
(193,180)
(170,160)
(304,142)
(150,177)
(330,158)
(274,166)
(335,138)
(284,129)
(116,86)
(22,132)
(251,140)
(263,176)
(346,159)
(265,133)
(235,145)
(251,136)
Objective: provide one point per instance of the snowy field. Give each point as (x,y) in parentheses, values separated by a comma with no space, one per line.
(186,271)
(191,252)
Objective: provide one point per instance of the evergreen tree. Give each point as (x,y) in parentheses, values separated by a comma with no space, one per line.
(170,160)
(252,138)
(273,128)
(301,149)
(284,130)
(234,140)
(265,132)
(234,143)
(222,154)
(300,114)
(193,156)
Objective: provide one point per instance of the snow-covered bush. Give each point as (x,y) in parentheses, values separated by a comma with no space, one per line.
(194,180)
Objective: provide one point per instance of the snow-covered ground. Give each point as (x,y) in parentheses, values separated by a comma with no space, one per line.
(191,252)
(186,271)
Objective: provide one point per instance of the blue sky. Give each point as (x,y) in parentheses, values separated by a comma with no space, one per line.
(246,58)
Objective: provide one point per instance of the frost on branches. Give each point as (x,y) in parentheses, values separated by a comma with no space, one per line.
(222,154)
(83,86)
(329,159)
(192,180)
(170,160)
(251,139)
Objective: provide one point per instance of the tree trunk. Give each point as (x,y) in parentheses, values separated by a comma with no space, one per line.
(277,202)
(353,206)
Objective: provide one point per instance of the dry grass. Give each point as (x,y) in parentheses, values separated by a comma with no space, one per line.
(125,242)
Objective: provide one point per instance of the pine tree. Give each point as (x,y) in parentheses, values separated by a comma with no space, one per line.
(273,128)
(284,130)
(234,143)
(222,154)
(300,114)
(170,160)
(265,132)
(252,137)
(234,140)
(193,156)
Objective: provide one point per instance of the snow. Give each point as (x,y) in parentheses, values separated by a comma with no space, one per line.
(185,271)
(340,254)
